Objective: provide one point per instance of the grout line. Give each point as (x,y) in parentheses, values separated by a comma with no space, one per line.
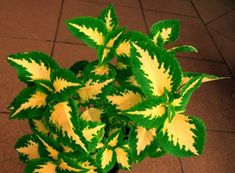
(24,38)
(220,131)
(215,30)
(142,10)
(213,40)
(57,27)
(3,112)
(181,165)
(166,12)
(200,59)
(225,13)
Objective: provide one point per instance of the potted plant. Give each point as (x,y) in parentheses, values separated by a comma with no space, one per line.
(101,117)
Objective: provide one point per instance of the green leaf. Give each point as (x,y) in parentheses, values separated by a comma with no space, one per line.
(90,30)
(78,68)
(28,148)
(114,138)
(106,159)
(41,165)
(150,113)
(140,140)
(63,120)
(48,148)
(64,83)
(184,136)
(30,103)
(123,158)
(32,66)
(186,92)
(109,18)
(154,69)
(165,31)
(39,126)
(183,48)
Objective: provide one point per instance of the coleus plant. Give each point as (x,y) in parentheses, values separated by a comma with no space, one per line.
(97,115)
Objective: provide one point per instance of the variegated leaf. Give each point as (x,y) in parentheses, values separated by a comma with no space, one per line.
(108,51)
(165,31)
(49,148)
(63,118)
(186,92)
(109,17)
(33,66)
(68,165)
(41,165)
(114,138)
(64,83)
(30,103)
(39,126)
(154,69)
(141,139)
(183,48)
(205,77)
(87,164)
(150,113)
(123,158)
(124,98)
(91,114)
(90,30)
(183,136)
(93,132)
(28,148)
(106,159)
(78,68)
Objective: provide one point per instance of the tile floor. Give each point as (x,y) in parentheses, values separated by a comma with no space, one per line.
(208,25)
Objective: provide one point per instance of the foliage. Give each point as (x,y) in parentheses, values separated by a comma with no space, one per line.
(95,114)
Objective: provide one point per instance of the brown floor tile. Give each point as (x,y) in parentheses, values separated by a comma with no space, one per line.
(213,102)
(77,8)
(164,164)
(29,19)
(226,47)
(67,54)
(11,130)
(172,6)
(193,33)
(128,3)
(9,83)
(218,155)
(225,25)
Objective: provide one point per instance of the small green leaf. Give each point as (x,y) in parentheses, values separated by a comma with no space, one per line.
(39,126)
(183,48)
(106,159)
(165,31)
(90,30)
(109,18)
(78,68)
(184,136)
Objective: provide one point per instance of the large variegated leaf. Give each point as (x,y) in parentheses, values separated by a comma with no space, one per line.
(93,90)
(205,77)
(106,159)
(149,113)
(91,114)
(123,158)
(154,69)
(183,136)
(123,98)
(165,31)
(63,118)
(64,83)
(33,66)
(39,126)
(141,139)
(41,165)
(109,18)
(93,132)
(183,48)
(90,30)
(186,92)
(30,103)
(49,148)
(68,165)
(108,51)
(78,68)
(28,148)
